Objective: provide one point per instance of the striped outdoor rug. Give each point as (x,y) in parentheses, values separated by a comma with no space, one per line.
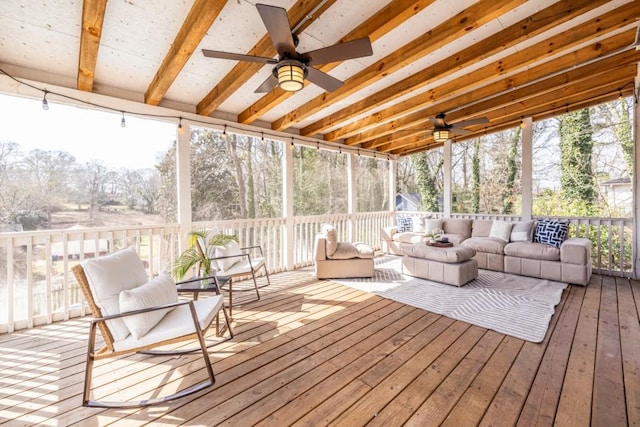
(513,305)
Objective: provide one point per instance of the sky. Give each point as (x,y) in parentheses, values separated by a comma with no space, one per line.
(86,134)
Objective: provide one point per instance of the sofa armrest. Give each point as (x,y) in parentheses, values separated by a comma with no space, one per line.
(387,233)
(320,252)
(576,250)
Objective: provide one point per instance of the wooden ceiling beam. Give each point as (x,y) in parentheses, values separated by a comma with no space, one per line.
(202,15)
(298,16)
(463,23)
(386,19)
(587,53)
(535,24)
(564,41)
(587,97)
(93,12)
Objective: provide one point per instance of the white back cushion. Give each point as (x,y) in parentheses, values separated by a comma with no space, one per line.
(157,291)
(108,276)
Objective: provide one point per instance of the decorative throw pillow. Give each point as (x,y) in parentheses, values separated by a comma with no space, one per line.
(405,223)
(228,250)
(432,224)
(501,230)
(551,232)
(522,232)
(157,291)
(331,236)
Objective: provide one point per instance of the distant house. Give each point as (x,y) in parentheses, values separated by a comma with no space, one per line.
(10,228)
(407,202)
(619,196)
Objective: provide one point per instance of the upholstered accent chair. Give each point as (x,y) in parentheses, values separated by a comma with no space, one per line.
(136,314)
(341,259)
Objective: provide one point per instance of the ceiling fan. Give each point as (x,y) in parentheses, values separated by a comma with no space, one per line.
(443,131)
(291,67)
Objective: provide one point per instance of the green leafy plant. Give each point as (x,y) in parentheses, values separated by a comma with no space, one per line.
(201,243)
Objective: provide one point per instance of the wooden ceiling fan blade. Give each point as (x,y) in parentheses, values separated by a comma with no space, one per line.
(438,122)
(471,122)
(277,23)
(322,79)
(267,85)
(339,52)
(458,131)
(237,56)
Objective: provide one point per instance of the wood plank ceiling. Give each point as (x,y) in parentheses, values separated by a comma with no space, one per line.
(502,59)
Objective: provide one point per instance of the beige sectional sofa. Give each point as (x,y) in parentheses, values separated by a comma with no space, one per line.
(335,259)
(507,247)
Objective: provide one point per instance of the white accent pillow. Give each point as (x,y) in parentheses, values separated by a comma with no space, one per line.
(157,291)
(229,249)
(432,224)
(501,230)
(522,232)
(108,276)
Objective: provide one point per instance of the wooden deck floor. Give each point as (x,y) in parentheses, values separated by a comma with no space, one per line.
(318,353)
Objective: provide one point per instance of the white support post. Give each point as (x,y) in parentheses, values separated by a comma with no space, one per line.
(287,206)
(447,165)
(636,178)
(183,178)
(393,167)
(527,168)
(352,192)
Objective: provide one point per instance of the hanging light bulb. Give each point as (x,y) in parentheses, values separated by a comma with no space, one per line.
(45,104)
(180,130)
(123,122)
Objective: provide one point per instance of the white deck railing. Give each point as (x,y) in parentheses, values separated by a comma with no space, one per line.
(36,286)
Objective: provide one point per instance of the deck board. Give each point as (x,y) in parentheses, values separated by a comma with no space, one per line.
(312,353)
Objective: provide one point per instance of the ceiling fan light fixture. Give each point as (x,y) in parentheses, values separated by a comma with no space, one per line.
(291,76)
(441,135)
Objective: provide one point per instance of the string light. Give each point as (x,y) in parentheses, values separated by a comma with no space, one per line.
(292,144)
(262,134)
(123,123)
(45,104)
(224,131)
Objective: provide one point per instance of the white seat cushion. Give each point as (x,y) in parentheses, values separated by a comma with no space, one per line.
(107,277)
(157,291)
(177,323)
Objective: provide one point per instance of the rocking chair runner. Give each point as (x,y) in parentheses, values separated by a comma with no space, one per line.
(103,280)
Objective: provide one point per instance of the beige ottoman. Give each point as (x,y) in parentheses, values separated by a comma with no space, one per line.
(453,266)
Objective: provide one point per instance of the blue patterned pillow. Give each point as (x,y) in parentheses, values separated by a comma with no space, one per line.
(405,223)
(550,232)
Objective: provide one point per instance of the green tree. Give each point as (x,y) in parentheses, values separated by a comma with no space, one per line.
(426,179)
(475,174)
(576,145)
(512,170)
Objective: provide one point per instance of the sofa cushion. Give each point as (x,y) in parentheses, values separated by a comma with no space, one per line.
(348,250)
(331,235)
(457,226)
(481,227)
(530,250)
(431,225)
(408,237)
(501,230)
(489,245)
(447,255)
(522,232)
(551,232)
(456,239)
(405,223)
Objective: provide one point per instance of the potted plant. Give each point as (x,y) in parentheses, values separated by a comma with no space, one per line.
(199,252)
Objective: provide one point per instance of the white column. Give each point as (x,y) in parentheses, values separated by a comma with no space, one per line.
(352,192)
(527,168)
(393,167)
(447,165)
(183,178)
(287,206)
(636,179)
